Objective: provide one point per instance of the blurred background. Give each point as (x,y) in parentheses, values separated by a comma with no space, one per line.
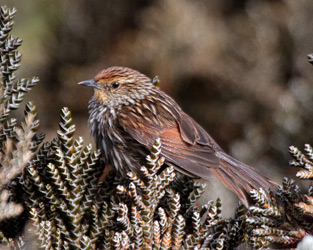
(238,67)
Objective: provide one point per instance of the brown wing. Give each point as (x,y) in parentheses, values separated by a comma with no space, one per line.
(196,160)
(185,144)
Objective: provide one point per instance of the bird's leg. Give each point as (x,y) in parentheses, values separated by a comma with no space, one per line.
(106,170)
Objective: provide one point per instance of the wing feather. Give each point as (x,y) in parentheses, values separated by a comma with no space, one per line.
(192,133)
(179,142)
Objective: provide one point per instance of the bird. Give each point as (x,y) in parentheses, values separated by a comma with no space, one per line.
(127,113)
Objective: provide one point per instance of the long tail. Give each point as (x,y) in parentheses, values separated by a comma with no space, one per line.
(240,178)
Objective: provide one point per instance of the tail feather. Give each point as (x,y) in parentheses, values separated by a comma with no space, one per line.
(241,178)
(229,182)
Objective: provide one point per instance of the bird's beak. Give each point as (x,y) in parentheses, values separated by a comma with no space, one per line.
(90,83)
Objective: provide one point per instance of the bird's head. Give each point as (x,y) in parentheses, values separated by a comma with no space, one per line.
(116,86)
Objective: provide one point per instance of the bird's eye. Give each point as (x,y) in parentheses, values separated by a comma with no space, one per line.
(115,85)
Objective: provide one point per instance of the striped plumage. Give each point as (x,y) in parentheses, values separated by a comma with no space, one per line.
(127,114)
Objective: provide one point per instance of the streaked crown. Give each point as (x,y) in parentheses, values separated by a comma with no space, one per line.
(119,85)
